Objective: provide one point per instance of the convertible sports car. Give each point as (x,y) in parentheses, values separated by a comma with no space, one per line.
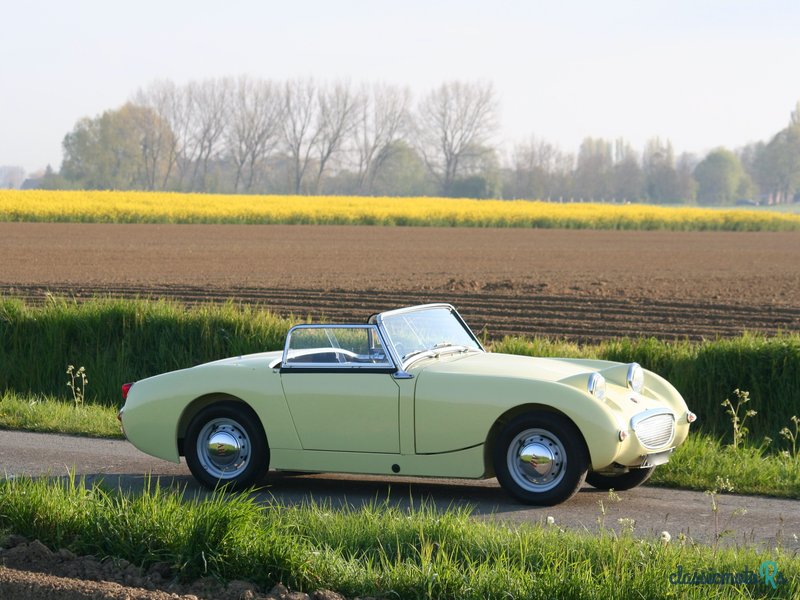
(410,392)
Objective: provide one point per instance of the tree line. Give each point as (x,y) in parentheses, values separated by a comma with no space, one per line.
(304,136)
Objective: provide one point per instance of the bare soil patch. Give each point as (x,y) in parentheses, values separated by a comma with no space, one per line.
(32,570)
(578,284)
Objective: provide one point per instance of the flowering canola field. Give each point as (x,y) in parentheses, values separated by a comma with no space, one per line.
(167,207)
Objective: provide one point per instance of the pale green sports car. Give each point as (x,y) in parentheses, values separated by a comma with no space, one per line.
(411,392)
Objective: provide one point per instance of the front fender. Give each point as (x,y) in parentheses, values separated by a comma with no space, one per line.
(455,413)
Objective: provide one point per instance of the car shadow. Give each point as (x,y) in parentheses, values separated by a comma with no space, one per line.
(480,498)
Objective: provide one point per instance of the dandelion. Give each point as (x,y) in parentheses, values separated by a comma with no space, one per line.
(665,537)
(551,520)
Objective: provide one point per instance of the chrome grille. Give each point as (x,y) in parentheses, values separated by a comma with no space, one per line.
(655,431)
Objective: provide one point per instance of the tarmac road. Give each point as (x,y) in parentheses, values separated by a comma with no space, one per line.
(765,522)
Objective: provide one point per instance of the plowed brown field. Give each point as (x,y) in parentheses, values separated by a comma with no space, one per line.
(582,284)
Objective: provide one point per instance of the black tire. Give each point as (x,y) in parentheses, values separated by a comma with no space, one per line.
(623,481)
(242,458)
(557,441)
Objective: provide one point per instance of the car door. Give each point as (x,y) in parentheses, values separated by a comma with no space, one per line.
(340,391)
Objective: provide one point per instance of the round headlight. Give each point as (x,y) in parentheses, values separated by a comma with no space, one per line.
(635,378)
(597,386)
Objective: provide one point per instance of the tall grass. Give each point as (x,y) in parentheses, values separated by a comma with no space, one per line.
(705,373)
(377,551)
(126,340)
(163,207)
(121,340)
(45,414)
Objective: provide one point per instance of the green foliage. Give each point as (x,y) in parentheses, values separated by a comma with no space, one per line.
(721,179)
(121,340)
(45,414)
(126,340)
(702,459)
(116,150)
(704,373)
(377,550)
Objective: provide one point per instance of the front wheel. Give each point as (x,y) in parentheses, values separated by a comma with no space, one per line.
(620,482)
(540,458)
(225,444)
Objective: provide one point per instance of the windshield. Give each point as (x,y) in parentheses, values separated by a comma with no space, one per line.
(432,329)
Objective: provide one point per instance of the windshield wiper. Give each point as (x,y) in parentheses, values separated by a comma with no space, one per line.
(455,347)
(414,353)
(434,350)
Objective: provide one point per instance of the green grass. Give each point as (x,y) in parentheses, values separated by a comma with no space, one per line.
(702,459)
(705,373)
(696,464)
(44,414)
(126,340)
(118,341)
(378,550)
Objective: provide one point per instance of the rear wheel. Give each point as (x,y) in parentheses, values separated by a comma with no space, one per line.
(540,458)
(620,482)
(225,444)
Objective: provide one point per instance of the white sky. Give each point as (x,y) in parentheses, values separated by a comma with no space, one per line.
(702,73)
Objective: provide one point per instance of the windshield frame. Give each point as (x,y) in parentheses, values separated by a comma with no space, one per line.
(379,320)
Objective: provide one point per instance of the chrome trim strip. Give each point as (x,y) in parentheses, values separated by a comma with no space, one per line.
(650,412)
(389,351)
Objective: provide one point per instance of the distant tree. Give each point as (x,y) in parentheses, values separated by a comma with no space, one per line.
(159,142)
(382,119)
(336,119)
(253,129)
(777,165)
(720,178)
(210,100)
(454,121)
(684,171)
(300,130)
(627,178)
(112,151)
(661,178)
(403,173)
(534,170)
(594,168)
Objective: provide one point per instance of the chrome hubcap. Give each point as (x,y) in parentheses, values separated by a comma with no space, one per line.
(536,460)
(223,447)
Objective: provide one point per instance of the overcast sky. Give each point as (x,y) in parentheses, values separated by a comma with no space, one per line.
(702,73)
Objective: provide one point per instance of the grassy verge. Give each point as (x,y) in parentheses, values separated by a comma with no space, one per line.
(48,415)
(126,340)
(696,464)
(378,550)
(705,373)
(702,462)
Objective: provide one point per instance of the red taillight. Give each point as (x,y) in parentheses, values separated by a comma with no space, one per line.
(126,387)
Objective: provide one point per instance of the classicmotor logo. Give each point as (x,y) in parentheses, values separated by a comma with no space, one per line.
(767,574)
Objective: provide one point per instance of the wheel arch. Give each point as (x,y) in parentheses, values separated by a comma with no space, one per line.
(513,413)
(201,402)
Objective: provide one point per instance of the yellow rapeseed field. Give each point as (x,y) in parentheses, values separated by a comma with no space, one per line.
(164,207)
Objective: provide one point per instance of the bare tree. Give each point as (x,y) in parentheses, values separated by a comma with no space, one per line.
(209,102)
(455,121)
(159,142)
(382,116)
(535,165)
(300,130)
(335,120)
(254,128)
